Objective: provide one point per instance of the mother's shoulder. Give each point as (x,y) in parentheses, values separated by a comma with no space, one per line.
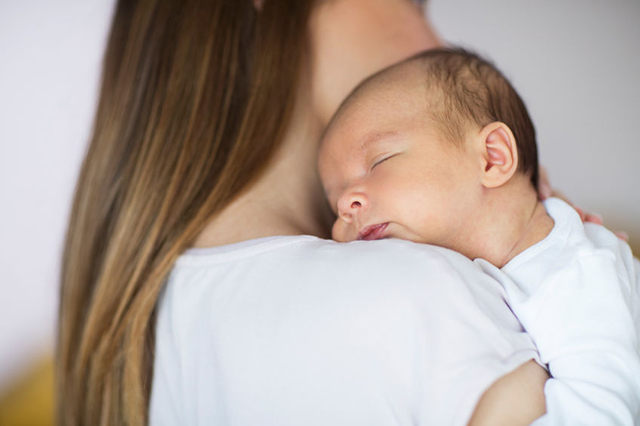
(320,256)
(401,267)
(330,265)
(387,253)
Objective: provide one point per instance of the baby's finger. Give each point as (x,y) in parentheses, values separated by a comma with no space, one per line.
(623,235)
(581,212)
(593,218)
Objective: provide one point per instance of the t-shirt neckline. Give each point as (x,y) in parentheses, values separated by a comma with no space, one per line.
(197,255)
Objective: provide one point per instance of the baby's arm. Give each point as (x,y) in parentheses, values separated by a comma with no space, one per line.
(582,324)
(581,321)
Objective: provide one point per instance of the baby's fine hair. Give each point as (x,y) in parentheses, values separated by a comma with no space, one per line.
(476,92)
(466,90)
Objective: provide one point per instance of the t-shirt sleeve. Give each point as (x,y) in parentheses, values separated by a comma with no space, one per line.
(316,333)
(470,339)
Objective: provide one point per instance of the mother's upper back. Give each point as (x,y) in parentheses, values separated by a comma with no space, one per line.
(299,330)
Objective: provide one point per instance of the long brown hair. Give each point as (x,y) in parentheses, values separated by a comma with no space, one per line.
(194,100)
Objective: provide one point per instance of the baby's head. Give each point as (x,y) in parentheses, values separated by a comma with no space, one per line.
(416,150)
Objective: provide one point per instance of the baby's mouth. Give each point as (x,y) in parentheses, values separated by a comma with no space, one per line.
(373,232)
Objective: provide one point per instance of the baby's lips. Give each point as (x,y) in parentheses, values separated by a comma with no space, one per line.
(373,232)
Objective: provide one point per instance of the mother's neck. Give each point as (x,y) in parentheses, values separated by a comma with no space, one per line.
(286,200)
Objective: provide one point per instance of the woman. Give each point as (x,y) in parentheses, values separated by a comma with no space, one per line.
(205,136)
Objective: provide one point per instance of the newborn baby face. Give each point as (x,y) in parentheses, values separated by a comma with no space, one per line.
(388,173)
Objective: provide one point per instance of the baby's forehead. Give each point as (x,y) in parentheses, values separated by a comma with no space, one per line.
(383,104)
(399,92)
(405,82)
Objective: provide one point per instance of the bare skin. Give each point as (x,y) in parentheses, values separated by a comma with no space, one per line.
(515,399)
(289,200)
(467,198)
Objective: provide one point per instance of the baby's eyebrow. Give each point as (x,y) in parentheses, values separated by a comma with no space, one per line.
(374,137)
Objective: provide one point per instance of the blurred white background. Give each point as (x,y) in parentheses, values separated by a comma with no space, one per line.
(576,63)
(50,57)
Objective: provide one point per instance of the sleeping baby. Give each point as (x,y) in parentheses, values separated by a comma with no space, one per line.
(440,149)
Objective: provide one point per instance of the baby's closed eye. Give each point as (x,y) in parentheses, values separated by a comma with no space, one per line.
(382,159)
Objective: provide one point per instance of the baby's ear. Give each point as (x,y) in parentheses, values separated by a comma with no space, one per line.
(500,154)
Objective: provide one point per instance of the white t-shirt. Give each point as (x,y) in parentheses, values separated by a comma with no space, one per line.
(303,331)
(577,293)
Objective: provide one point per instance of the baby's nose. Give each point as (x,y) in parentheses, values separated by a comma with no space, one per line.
(350,205)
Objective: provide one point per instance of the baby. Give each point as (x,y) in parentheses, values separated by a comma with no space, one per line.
(440,149)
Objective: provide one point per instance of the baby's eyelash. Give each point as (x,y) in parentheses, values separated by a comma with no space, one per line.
(382,160)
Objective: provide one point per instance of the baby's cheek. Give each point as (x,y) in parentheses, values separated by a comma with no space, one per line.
(342,232)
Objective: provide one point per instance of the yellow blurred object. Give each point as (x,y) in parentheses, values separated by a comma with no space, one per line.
(30,401)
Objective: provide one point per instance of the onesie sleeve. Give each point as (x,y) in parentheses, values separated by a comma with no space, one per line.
(580,317)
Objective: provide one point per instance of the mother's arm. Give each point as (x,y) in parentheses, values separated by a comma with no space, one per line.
(515,399)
